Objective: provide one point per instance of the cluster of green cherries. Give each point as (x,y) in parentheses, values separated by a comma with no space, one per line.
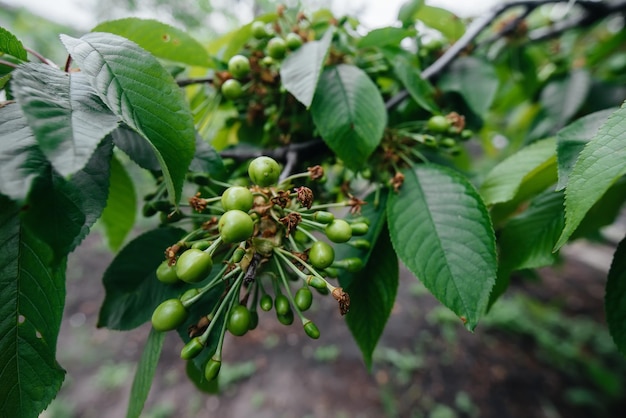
(268,237)
(276,48)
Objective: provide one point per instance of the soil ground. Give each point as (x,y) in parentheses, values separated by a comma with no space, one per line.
(543,352)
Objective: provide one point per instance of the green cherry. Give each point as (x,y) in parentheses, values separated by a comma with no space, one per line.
(169,315)
(438,123)
(232,89)
(259,31)
(293,40)
(303,298)
(276,48)
(191,349)
(239,66)
(194,265)
(235,226)
(266,302)
(212,369)
(238,320)
(281,303)
(311,330)
(237,197)
(264,171)
(321,255)
(166,273)
(338,231)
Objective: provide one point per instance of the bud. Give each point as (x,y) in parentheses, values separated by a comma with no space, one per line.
(212,369)
(311,330)
(359,228)
(323,217)
(191,349)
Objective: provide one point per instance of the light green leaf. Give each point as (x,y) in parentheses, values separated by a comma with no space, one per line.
(441,230)
(233,42)
(372,297)
(504,180)
(385,36)
(10,45)
(133,84)
(615,299)
(132,289)
(31,307)
(162,40)
(118,217)
(64,112)
(572,139)
(408,10)
(349,113)
(449,24)
(300,71)
(61,212)
(420,90)
(145,373)
(21,160)
(600,164)
(475,80)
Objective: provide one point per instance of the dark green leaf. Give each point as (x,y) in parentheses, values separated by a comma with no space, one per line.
(349,112)
(504,180)
(64,112)
(385,36)
(300,71)
(442,232)
(599,165)
(132,289)
(374,211)
(420,90)
(527,240)
(207,160)
(563,97)
(10,45)
(61,211)
(372,297)
(604,212)
(31,307)
(136,147)
(442,20)
(133,84)
(21,161)
(119,214)
(615,299)
(160,39)
(474,79)
(145,373)
(572,139)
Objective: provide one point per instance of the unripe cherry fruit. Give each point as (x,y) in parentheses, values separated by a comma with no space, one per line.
(239,66)
(303,298)
(235,226)
(438,123)
(238,320)
(264,171)
(194,265)
(321,255)
(237,197)
(169,315)
(232,89)
(338,231)
(276,48)
(166,273)
(212,369)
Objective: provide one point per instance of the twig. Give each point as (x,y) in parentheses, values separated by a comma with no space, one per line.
(38,55)
(8,64)
(190,81)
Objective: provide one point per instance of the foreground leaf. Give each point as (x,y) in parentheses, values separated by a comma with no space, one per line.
(21,160)
(133,84)
(10,45)
(600,164)
(119,214)
(301,70)
(132,289)
(349,112)
(504,180)
(160,39)
(372,296)
(64,112)
(145,373)
(420,90)
(615,299)
(31,307)
(572,139)
(441,231)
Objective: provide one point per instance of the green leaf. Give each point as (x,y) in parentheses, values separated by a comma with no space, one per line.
(604,212)
(132,289)
(10,45)
(61,212)
(145,373)
(349,113)
(504,180)
(233,42)
(527,240)
(136,147)
(207,160)
(475,80)
(599,165)
(449,24)
(118,217)
(372,297)
(133,84)
(162,40)
(420,90)
(374,211)
(408,10)
(31,308)
(64,112)
(615,298)
(300,71)
(441,230)
(21,160)
(572,139)
(385,36)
